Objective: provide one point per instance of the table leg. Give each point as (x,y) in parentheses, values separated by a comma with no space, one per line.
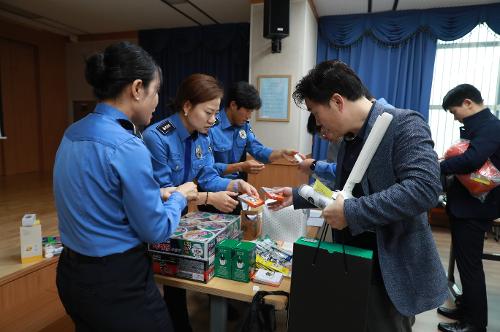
(218,313)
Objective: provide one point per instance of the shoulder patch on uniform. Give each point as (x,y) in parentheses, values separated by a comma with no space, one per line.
(165,127)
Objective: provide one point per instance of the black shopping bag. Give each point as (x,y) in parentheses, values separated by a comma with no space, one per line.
(330,287)
(261,316)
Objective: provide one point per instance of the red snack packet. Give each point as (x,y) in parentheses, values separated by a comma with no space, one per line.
(271,194)
(480,182)
(251,200)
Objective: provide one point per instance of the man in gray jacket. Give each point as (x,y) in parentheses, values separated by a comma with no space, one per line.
(388,213)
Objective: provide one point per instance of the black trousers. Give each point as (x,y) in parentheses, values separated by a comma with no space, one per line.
(111,293)
(175,298)
(467,236)
(382,316)
(176,301)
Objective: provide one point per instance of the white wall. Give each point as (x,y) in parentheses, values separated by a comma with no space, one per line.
(297,57)
(310,48)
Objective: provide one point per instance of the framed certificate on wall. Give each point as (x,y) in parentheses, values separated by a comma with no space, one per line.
(275,93)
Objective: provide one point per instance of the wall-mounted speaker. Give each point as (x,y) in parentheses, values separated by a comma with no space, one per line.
(276,22)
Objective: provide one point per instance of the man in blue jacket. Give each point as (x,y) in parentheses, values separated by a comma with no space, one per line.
(470,218)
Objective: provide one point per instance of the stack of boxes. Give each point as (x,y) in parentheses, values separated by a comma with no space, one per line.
(190,252)
(224,253)
(235,260)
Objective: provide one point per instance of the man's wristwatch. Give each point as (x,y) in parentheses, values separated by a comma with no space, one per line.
(313,165)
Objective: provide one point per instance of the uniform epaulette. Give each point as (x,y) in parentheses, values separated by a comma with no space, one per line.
(165,127)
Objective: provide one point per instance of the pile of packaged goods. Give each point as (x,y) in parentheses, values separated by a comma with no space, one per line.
(52,246)
(274,256)
(235,260)
(190,251)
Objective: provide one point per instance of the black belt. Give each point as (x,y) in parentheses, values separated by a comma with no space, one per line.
(73,255)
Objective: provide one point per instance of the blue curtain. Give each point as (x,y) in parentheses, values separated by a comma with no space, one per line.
(402,75)
(394,52)
(219,50)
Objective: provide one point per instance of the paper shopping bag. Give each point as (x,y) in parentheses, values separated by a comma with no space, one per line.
(330,287)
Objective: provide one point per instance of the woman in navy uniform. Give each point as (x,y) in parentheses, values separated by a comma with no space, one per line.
(181,148)
(181,151)
(108,202)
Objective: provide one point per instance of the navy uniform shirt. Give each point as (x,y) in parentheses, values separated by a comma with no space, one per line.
(179,156)
(106,196)
(231,142)
(325,170)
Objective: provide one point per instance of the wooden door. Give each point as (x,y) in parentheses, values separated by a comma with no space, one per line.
(21,151)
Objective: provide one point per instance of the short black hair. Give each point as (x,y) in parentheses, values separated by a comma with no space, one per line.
(457,95)
(312,127)
(110,71)
(327,78)
(244,95)
(368,94)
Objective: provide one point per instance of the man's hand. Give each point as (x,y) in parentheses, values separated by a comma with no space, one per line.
(166,192)
(223,200)
(246,188)
(287,201)
(305,166)
(334,214)
(188,190)
(252,166)
(289,153)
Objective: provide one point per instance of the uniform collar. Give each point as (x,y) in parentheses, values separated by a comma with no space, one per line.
(110,111)
(119,116)
(224,120)
(181,129)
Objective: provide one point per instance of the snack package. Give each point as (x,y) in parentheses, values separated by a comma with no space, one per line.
(266,277)
(480,182)
(251,200)
(271,194)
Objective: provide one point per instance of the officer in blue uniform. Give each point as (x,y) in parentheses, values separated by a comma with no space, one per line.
(232,136)
(181,151)
(108,202)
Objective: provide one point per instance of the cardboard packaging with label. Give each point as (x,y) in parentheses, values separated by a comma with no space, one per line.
(31,239)
(244,261)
